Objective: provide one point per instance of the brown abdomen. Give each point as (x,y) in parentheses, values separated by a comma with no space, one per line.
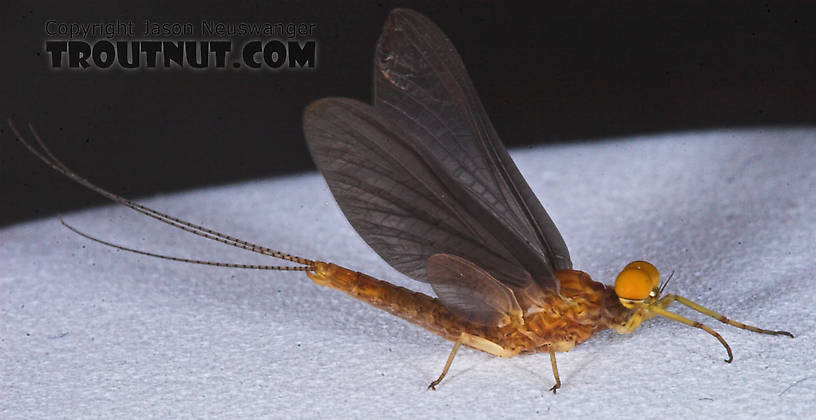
(407,304)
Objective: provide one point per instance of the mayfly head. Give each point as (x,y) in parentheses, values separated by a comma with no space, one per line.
(638,284)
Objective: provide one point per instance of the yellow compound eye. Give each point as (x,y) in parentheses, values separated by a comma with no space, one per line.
(637,280)
(647,267)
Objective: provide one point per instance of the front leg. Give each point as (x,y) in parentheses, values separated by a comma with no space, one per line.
(668,299)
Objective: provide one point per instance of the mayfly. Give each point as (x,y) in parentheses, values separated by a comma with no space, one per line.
(425,180)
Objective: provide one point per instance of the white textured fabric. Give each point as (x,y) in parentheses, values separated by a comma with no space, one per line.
(88,331)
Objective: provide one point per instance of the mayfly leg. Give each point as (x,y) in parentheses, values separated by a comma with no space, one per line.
(448,363)
(477,343)
(668,299)
(659,309)
(555,371)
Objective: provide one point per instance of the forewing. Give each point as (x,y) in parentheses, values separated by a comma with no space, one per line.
(392,195)
(421,83)
(471,292)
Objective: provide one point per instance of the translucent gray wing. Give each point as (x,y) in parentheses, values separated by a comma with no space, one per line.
(390,190)
(421,83)
(472,293)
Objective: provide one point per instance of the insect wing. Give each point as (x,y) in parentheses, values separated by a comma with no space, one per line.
(471,292)
(392,196)
(421,83)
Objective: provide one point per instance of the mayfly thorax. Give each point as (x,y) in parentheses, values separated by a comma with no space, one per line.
(423,177)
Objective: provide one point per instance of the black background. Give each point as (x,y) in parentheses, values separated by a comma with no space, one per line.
(546,72)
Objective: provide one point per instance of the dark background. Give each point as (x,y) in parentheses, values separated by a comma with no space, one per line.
(559,72)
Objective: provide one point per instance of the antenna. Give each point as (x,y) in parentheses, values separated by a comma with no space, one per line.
(666,283)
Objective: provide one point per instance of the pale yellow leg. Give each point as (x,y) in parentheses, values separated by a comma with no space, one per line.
(705,311)
(477,343)
(658,310)
(555,371)
(447,364)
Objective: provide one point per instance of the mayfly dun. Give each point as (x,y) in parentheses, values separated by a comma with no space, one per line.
(425,180)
